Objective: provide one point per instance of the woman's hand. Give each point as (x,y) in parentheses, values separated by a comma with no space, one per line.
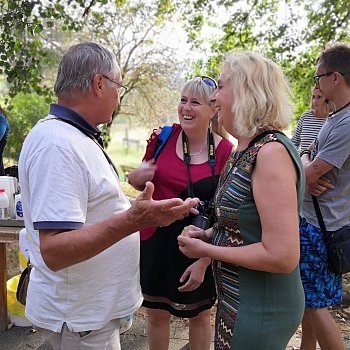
(195,274)
(145,172)
(192,247)
(196,232)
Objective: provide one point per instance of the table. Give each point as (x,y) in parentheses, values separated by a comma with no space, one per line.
(9,232)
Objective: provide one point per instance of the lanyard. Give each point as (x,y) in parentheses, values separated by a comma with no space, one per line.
(92,138)
(338,110)
(187,159)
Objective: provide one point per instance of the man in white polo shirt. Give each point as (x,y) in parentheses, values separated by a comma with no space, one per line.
(84,244)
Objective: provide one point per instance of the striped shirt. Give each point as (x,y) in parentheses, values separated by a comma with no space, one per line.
(307,130)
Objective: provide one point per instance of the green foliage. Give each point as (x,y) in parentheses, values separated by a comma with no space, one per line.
(276,28)
(23,53)
(132,32)
(26,110)
(35,34)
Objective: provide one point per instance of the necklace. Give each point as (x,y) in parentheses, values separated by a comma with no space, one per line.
(338,110)
(200,151)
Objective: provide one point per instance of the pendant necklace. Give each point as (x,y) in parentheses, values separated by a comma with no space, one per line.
(200,151)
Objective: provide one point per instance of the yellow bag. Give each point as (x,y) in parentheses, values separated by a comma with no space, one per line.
(13,306)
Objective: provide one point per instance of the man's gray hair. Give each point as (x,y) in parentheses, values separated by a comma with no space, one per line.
(79,66)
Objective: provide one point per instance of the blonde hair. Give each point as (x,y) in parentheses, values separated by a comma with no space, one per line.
(328,107)
(197,87)
(261,94)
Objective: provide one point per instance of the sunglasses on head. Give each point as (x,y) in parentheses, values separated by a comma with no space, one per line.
(209,81)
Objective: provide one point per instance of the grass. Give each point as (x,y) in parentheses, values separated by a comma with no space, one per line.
(131,156)
(120,156)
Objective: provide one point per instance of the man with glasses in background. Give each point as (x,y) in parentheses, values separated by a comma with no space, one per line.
(327,164)
(84,244)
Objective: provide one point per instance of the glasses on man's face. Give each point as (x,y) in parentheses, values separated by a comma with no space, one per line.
(318,77)
(122,88)
(209,81)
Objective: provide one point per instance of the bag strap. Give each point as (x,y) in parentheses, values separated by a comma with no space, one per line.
(320,218)
(261,136)
(162,139)
(251,144)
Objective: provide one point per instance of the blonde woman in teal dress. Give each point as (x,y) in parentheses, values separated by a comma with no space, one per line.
(254,244)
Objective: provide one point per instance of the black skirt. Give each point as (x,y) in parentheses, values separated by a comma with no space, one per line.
(161,266)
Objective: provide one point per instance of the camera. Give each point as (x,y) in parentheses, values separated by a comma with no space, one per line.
(206,212)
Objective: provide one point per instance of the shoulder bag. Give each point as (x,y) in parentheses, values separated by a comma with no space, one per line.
(338,244)
(21,293)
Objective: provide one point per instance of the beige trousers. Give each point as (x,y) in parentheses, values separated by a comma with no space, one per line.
(106,338)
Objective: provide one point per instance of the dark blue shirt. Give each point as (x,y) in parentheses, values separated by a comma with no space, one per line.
(4,132)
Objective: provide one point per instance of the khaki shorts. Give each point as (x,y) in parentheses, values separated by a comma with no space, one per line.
(105,338)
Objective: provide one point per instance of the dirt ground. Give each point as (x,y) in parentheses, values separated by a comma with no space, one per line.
(340,313)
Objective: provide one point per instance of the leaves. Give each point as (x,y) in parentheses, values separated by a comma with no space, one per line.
(35,35)
(292,32)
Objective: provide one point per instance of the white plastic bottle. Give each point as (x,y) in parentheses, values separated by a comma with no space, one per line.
(18,206)
(4,205)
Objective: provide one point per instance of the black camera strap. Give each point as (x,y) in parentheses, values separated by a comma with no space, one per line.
(187,159)
(109,160)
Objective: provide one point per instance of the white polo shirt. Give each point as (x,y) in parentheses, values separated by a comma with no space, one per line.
(67,183)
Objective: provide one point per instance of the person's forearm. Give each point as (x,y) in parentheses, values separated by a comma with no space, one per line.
(256,257)
(311,174)
(305,158)
(205,261)
(134,181)
(64,249)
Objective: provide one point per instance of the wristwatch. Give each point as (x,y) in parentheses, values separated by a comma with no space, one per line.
(305,151)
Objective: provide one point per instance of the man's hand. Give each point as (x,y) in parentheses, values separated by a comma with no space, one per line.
(195,274)
(320,186)
(146,212)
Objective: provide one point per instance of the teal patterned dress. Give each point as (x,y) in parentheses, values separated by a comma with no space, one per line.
(256,310)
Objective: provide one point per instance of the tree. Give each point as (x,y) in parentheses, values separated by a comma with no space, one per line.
(26,110)
(30,45)
(148,66)
(292,32)
(23,54)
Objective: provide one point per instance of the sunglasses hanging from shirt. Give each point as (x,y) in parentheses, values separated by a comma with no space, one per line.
(187,159)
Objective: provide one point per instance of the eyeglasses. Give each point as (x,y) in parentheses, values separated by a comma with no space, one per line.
(123,88)
(318,77)
(209,81)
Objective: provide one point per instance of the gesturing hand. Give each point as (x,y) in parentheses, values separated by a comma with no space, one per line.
(148,212)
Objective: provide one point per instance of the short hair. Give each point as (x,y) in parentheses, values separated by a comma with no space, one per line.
(260,92)
(78,67)
(336,59)
(197,87)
